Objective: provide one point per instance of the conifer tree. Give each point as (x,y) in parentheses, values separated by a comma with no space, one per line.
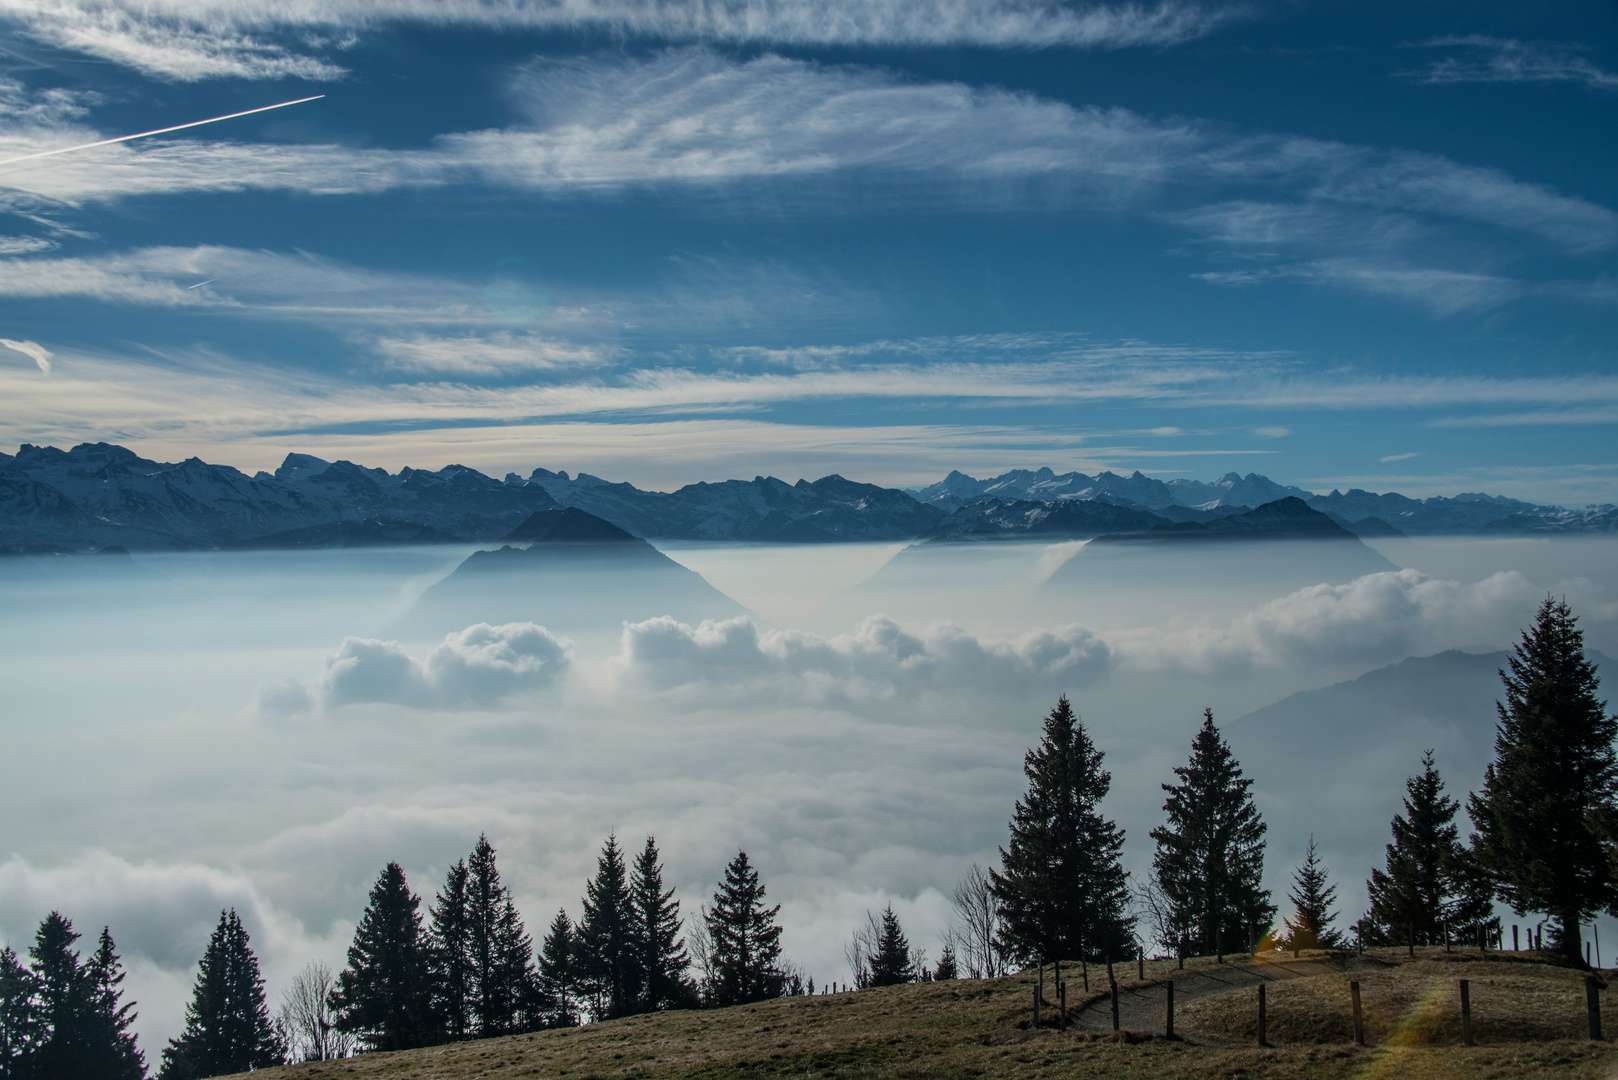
(1555,772)
(114,1054)
(499,951)
(1209,861)
(1062,891)
(384,996)
(1309,926)
(557,977)
(19,1019)
(947,967)
(606,940)
(660,957)
(19,1025)
(63,1001)
(1416,893)
(450,956)
(744,939)
(227,1024)
(890,963)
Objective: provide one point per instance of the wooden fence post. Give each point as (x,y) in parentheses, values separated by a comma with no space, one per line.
(1115,1006)
(1168,1029)
(1514,945)
(1592,1004)
(1039,992)
(1262,1041)
(1466,1013)
(1140,963)
(1359,1023)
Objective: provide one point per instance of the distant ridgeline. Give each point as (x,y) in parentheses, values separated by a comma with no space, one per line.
(98,495)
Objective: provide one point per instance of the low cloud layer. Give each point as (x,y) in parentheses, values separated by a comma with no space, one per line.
(476,668)
(879,658)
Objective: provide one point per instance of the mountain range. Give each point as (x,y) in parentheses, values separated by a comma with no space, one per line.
(99,495)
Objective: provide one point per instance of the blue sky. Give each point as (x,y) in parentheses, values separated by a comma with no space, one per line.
(1368,244)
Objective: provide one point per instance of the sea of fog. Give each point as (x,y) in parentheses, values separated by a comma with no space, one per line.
(185,732)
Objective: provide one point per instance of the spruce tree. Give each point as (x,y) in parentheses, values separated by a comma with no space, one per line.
(114,1054)
(1209,861)
(19,1016)
(557,976)
(1062,892)
(1309,926)
(745,940)
(891,964)
(947,967)
(450,958)
(660,957)
(606,937)
(384,996)
(499,950)
(1416,893)
(63,1002)
(1554,773)
(227,1024)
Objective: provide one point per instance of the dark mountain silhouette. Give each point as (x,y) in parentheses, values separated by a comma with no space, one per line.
(571,572)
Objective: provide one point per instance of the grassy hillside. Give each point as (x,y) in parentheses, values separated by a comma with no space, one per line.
(1528,1019)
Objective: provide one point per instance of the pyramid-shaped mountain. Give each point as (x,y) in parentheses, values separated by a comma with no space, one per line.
(572,572)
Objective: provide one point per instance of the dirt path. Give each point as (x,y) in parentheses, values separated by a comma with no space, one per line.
(1142,1006)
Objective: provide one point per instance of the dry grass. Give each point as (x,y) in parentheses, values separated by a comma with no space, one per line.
(1404,1002)
(980,1030)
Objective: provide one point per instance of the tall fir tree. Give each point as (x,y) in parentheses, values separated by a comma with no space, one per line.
(1062,890)
(450,957)
(499,951)
(1555,773)
(558,979)
(19,1016)
(744,939)
(891,963)
(1209,861)
(1310,925)
(63,1002)
(114,1053)
(384,996)
(1416,893)
(606,937)
(227,1024)
(660,957)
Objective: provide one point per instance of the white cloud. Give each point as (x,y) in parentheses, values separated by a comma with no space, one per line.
(1397,457)
(36,352)
(24,245)
(1375,619)
(199,39)
(876,660)
(490,354)
(477,667)
(1506,60)
(695,119)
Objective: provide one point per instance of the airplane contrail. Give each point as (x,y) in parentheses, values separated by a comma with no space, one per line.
(200,284)
(159,131)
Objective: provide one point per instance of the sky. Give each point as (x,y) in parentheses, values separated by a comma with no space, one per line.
(1341,245)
